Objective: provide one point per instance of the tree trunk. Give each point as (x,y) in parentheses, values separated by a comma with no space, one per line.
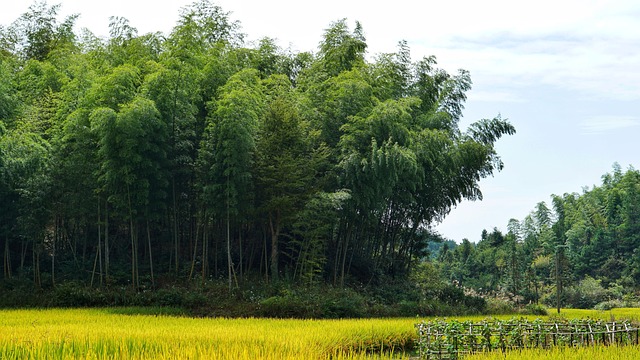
(150,254)
(7,258)
(265,257)
(53,252)
(134,245)
(134,255)
(212,234)
(274,226)
(53,263)
(106,242)
(23,256)
(36,267)
(205,251)
(195,249)
(343,233)
(240,250)
(95,264)
(176,244)
(344,260)
(99,252)
(229,265)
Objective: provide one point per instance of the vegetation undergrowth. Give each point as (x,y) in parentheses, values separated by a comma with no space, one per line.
(253,299)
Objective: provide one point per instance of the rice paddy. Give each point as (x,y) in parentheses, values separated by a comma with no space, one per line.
(127,334)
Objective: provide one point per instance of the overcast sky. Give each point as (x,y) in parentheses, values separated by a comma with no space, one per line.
(565,73)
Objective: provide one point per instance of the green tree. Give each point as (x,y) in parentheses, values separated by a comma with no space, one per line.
(284,162)
(37,33)
(25,164)
(115,89)
(9,99)
(201,27)
(133,165)
(226,154)
(174,90)
(340,49)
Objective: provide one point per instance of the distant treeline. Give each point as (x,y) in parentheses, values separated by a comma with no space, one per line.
(589,243)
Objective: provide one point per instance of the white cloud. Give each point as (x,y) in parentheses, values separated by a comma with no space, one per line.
(498,96)
(601,124)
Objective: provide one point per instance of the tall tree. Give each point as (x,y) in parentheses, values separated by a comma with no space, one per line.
(25,178)
(283,162)
(226,155)
(133,164)
(173,88)
(341,50)
(37,33)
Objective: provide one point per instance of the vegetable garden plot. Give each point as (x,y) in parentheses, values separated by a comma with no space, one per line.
(441,339)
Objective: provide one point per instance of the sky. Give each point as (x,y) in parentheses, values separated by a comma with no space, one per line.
(565,73)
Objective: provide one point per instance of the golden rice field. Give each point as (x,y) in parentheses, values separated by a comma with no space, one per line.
(112,334)
(102,334)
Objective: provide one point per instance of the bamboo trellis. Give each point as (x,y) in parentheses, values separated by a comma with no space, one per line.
(452,339)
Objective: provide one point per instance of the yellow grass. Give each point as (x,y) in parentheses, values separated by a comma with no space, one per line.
(105,334)
(632,314)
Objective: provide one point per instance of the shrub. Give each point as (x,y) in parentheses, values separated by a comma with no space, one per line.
(610,304)
(535,309)
(169,297)
(194,300)
(319,302)
(343,304)
(284,307)
(73,294)
(586,294)
(408,308)
(496,306)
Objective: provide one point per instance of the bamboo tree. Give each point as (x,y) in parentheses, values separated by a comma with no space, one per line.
(283,163)
(173,88)
(133,164)
(226,153)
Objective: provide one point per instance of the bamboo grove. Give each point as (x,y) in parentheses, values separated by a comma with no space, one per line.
(196,154)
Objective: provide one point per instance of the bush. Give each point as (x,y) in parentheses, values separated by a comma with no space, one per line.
(455,297)
(497,306)
(408,308)
(610,304)
(475,304)
(343,303)
(535,309)
(19,293)
(586,294)
(194,300)
(73,294)
(169,297)
(284,307)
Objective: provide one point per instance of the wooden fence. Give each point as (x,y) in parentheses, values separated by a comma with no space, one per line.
(441,339)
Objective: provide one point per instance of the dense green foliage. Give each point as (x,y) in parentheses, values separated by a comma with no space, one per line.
(588,243)
(140,159)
